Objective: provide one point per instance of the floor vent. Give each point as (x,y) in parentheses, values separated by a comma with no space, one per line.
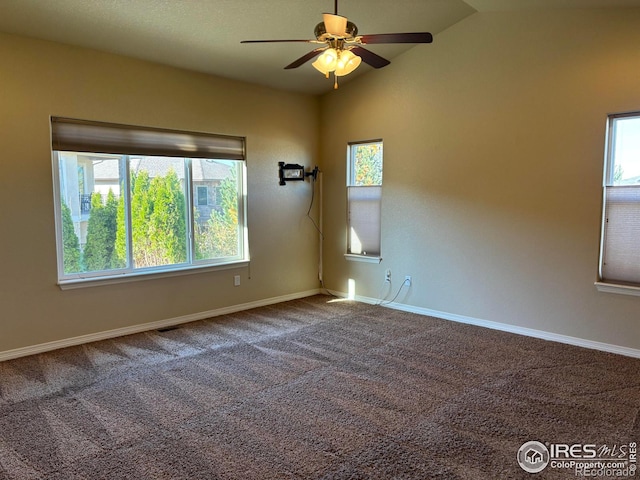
(167,329)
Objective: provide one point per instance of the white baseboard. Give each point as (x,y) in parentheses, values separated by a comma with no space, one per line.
(120,332)
(505,327)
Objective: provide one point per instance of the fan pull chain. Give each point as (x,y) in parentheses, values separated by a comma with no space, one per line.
(335,84)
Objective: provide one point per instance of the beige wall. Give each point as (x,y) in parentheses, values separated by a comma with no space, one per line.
(493,159)
(39,79)
(494,139)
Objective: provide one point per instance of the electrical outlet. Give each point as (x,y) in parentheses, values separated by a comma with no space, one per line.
(236,281)
(407,280)
(387,275)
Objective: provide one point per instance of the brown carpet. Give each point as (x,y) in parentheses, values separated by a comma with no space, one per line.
(309,389)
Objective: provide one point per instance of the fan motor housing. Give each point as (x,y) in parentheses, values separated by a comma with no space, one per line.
(321,32)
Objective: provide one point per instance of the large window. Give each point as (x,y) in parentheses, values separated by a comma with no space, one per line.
(620,249)
(364,197)
(133,200)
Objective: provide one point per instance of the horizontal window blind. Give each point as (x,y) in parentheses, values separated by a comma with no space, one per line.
(96,137)
(364,219)
(621,239)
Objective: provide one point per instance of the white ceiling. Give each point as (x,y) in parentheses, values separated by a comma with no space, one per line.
(205,35)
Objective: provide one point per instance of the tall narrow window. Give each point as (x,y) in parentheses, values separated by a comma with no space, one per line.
(364,197)
(620,249)
(132,200)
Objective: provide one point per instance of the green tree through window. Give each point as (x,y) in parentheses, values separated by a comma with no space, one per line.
(71,244)
(101,233)
(158,221)
(218,237)
(368,164)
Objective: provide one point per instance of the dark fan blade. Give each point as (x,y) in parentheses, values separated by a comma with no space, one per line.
(417,37)
(305,58)
(376,61)
(275,41)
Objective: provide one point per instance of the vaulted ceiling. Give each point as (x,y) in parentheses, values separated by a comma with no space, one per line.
(205,35)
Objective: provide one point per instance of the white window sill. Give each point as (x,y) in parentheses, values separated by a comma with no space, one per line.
(362,258)
(619,289)
(149,275)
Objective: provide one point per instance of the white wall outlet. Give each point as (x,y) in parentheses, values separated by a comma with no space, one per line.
(236,281)
(407,280)
(387,275)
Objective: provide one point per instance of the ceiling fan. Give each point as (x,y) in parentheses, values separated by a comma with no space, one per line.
(342,50)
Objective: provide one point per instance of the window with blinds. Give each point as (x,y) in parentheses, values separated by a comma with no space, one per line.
(133,200)
(620,248)
(364,198)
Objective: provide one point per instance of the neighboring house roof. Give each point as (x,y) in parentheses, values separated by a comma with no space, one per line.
(203,170)
(209,169)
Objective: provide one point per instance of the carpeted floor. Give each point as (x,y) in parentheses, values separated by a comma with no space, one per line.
(309,389)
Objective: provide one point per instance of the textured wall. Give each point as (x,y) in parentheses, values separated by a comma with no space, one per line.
(39,79)
(493,150)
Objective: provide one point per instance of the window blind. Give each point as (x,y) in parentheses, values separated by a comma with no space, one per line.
(96,137)
(621,239)
(364,219)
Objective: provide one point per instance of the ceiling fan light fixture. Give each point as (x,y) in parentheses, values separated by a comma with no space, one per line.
(335,24)
(347,63)
(342,50)
(326,62)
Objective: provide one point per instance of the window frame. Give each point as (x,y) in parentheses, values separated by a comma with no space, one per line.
(130,272)
(350,185)
(603,284)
